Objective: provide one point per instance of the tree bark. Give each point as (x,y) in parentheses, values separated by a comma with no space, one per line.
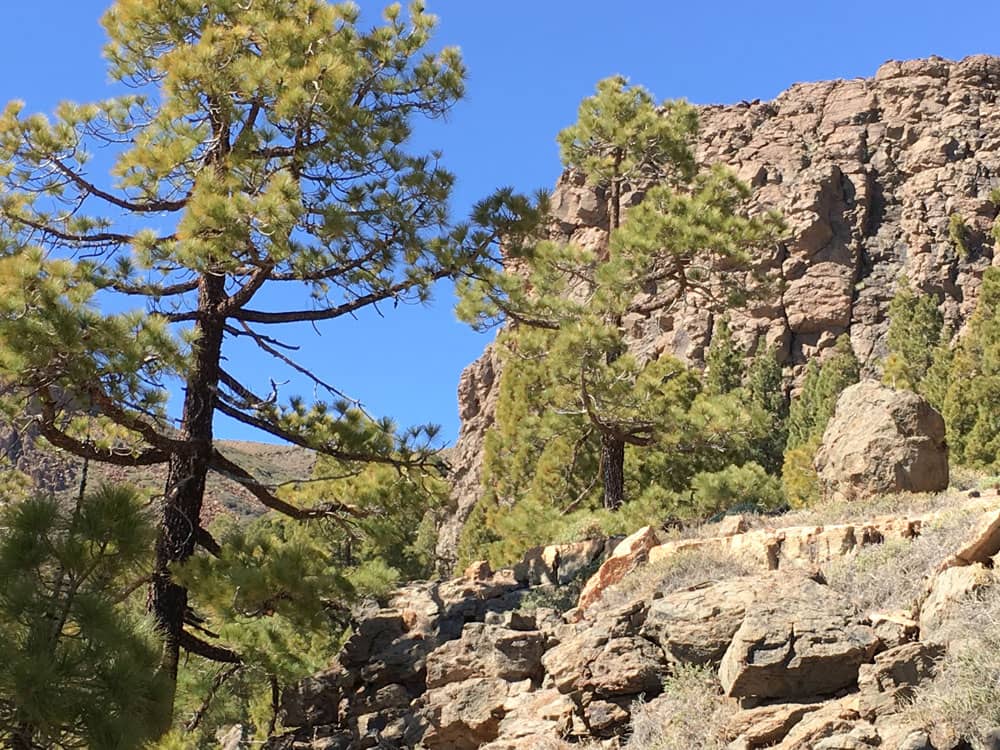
(613,471)
(185,489)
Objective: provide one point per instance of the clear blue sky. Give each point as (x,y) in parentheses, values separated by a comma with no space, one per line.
(529,64)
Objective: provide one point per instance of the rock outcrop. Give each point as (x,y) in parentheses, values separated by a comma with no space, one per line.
(867,173)
(881,441)
(480,662)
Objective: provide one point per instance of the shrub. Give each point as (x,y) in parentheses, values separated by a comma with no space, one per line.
(798,474)
(891,575)
(965,693)
(685,569)
(692,712)
(958,233)
(747,486)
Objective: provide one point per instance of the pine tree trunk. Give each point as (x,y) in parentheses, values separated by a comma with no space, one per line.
(184,493)
(613,449)
(613,471)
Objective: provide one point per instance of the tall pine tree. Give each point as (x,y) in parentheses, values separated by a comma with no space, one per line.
(264,175)
(574,300)
(915,327)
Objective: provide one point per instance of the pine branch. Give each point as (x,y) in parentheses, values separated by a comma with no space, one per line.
(329,313)
(207,542)
(60,439)
(90,188)
(220,679)
(327,450)
(231,470)
(195,645)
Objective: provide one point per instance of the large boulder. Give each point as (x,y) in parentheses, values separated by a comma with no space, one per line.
(798,640)
(881,440)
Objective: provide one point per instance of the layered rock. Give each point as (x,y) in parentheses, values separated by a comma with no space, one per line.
(881,441)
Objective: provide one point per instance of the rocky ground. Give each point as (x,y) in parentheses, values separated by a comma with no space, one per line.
(747,634)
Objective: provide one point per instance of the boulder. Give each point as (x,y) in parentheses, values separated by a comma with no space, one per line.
(832,719)
(696,626)
(487,651)
(947,590)
(766,725)
(880,441)
(596,664)
(799,639)
(464,715)
(629,554)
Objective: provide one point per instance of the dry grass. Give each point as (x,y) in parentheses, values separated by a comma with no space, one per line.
(680,571)
(891,575)
(965,693)
(691,714)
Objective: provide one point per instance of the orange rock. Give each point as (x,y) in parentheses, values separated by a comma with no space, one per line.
(630,553)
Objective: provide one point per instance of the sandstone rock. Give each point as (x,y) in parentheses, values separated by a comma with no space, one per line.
(595,664)
(880,441)
(833,718)
(464,715)
(947,589)
(487,651)
(479,571)
(630,553)
(538,566)
(889,682)
(696,626)
(800,641)
(984,542)
(604,718)
(766,725)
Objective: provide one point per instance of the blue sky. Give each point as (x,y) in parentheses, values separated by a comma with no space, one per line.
(529,65)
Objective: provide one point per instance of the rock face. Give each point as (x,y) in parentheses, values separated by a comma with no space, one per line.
(478,391)
(881,441)
(867,174)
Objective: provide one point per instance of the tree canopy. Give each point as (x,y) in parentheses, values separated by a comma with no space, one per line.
(263,174)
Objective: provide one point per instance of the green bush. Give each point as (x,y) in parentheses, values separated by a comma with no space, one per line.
(747,486)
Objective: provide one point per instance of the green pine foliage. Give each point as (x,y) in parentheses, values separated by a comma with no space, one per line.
(765,386)
(568,303)
(809,414)
(915,328)
(78,658)
(264,173)
(280,589)
(748,487)
(725,362)
(970,411)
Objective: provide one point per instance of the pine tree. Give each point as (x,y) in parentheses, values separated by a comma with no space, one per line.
(915,326)
(266,148)
(620,135)
(77,656)
(578,298)
(809,414)
(725,363)
(765,385)
(973,390)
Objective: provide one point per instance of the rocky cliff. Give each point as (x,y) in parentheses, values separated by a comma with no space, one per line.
(868,174)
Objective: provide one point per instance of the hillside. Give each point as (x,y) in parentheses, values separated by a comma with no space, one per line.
(868,174)
(839,628)
(58,472)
